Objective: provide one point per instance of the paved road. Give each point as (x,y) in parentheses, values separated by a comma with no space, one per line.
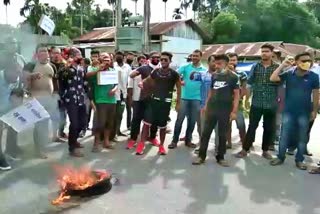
(166,185)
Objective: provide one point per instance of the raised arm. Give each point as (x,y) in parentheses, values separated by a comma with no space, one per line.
(275,76)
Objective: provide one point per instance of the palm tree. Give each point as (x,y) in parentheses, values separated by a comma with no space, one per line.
(113,5)
(135,7)
(6,3)
(165,9)
(185,4)
(177,14)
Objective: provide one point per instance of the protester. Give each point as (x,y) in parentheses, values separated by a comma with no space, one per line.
(241,125)
(129,60)
(206,80)
(300,84)
(162,82)
(221,108)
(59,120)
(9,80)
(85,63)
(12,61)
(264,102)
(95,66)
(141,105)
(39,82)
(123,71)
(190,103)
(72,94)
(141,60)
(105,105)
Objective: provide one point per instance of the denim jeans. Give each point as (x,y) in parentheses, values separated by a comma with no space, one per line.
(191,110)
(298,124)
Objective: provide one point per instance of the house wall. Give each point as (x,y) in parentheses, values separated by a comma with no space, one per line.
(182,40)
(180,47)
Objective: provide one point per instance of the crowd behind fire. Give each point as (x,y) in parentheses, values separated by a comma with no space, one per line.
(285,94)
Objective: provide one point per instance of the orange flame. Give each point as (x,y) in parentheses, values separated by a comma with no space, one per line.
(70,178)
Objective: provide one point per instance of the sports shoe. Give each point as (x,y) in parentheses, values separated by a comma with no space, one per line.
(267,155)
(276,162)
(4,166)
(131,143)
(155,142)
(162,150)
(223,163)
(191,145)
(301,166)
(198,161)
(172,145)
(140,148)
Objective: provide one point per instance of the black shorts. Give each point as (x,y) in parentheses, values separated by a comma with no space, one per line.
(157,113)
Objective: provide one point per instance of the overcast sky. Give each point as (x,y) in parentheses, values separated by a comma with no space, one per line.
(157,9)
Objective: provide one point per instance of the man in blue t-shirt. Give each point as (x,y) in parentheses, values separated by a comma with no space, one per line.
(190,103)
(300,84)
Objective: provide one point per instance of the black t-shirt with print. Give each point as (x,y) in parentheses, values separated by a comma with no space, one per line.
(164,83)
(145,71)
(223,85)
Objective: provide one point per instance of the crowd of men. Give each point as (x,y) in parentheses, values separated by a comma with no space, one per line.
(68,85)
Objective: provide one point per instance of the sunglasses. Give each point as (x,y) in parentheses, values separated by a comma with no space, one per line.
(307,60)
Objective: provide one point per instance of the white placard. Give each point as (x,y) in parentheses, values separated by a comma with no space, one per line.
(47,24)
(108,78)
(25,115)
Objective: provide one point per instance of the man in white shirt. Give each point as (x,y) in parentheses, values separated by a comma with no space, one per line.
(123,70)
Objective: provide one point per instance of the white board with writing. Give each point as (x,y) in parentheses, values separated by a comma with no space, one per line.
(108,78)
(26,115)
(46,24)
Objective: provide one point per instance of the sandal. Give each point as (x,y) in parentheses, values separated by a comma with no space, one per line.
(108,146)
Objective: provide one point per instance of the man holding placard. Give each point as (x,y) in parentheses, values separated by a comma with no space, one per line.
(9,78)
(104,83)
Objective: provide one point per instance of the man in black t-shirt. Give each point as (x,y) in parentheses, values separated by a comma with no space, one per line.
(221,108)
(161,82)
(139,107)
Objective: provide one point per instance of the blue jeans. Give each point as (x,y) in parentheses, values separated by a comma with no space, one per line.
(191,110)
(294,124)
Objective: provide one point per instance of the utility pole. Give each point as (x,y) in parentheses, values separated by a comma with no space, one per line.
(118,21)
(146,26)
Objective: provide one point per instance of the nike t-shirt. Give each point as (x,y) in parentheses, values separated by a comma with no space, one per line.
(222,87)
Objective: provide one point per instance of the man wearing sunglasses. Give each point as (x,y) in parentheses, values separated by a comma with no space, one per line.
(139,107)
(300,84)
(162,82)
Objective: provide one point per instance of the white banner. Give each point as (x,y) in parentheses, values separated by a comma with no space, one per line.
(25,115)
(47,24)
(107,78)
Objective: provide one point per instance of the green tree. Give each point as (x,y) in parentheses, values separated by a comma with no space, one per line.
(33,11)
(226,27)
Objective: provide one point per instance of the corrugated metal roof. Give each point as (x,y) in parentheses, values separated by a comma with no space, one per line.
(253,49)
(108,33)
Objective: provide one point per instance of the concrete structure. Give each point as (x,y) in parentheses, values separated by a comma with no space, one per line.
(180,37)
